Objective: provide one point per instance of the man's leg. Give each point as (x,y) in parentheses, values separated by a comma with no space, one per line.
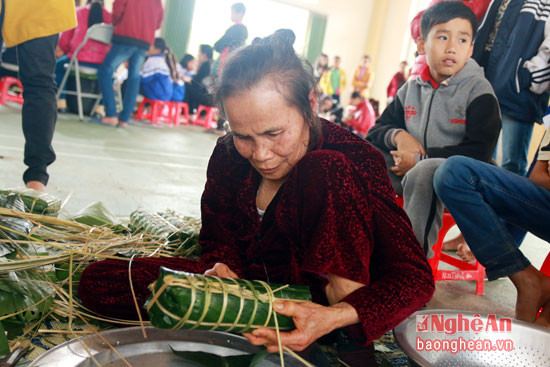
(36,71)
(421,204)
(116,56)
(516,137)
(483,199)
(132,84)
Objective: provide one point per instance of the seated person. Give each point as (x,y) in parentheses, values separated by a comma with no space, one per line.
(188,65)
(197,91)
(494,208)
(161,75)
(331,110)
(93,52)
(272,209)
(361,114)
(450,109)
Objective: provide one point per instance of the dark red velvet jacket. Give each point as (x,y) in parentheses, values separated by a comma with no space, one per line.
(336,214)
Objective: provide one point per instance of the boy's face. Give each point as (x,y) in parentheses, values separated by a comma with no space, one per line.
(327,105)
(447,48)
(336,63)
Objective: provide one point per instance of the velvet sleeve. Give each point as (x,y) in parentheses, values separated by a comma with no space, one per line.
(219,222)
(358,232)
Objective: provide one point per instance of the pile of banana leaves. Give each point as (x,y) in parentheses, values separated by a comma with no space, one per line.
(42,256)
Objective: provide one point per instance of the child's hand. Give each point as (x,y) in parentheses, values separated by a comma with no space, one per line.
(405,142)
(404,161)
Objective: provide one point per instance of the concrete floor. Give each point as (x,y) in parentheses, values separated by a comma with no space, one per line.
(160,168)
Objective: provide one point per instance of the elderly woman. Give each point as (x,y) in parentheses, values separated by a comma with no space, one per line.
(295,200)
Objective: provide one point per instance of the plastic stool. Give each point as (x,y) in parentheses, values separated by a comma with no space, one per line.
(545,269)
(6,83)
(159,111)
(465,271)
(180,107)
(208,121)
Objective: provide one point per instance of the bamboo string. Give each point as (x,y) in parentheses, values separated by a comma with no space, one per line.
(71,290)
(138,309)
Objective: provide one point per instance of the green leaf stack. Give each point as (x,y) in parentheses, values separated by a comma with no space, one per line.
(37,202)
(182,300)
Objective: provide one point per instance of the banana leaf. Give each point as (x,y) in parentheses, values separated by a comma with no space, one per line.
(96,214)
(37,202)
(188,234)
(20,226)
(194,301)
(144,221)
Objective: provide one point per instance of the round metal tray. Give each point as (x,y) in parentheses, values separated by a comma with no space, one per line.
(153,351)
(531,343)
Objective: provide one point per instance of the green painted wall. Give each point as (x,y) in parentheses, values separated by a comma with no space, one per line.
(315,36)
(176,29)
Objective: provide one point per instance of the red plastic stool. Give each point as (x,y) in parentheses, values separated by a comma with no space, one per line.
(180,107)
(545,269)
(465,271)
(208,121)
(159,111)
(6,83)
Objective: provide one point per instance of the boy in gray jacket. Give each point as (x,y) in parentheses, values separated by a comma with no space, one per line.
(450,109)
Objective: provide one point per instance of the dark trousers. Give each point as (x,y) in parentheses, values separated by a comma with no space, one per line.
(36,72)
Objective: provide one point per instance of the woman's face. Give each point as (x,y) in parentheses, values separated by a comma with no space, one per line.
(269,133)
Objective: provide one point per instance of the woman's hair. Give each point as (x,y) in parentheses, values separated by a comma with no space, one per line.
(185,60)
(272,58)
(207,51)
(96,13)
(160,43)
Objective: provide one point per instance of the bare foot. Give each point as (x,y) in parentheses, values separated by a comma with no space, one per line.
(36,185)
(110,121)
(465,253)
(122,124)
(533,293)
(452,245)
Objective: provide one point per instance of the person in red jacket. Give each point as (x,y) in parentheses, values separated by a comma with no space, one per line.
(479,7)
(397,81)
(135,24)
(361,116)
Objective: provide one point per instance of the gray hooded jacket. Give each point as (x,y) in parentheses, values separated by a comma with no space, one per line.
(461,116)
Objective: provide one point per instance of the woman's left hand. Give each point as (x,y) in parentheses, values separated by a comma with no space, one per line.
(311,320)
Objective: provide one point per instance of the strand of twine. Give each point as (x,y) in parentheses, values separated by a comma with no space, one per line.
(271,309)
(134,298)
(71,290)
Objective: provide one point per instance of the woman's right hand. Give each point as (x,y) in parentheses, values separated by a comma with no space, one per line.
(222,271)
(407,143)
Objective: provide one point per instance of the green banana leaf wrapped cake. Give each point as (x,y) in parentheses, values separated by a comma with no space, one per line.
(182,300)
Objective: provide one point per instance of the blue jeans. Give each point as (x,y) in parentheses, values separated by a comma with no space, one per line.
(60,70)
(493,208)
(117,55)
(516,137)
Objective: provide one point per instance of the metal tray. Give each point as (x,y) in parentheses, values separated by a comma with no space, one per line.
(153,351)
(531,343)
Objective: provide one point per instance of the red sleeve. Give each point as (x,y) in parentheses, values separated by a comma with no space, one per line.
(218,214)
(160,15)
(107,17)
(373,243)
(65,40)
(118,10)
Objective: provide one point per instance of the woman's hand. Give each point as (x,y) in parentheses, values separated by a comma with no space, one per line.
(222,271)
(311,320)
(58,52)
